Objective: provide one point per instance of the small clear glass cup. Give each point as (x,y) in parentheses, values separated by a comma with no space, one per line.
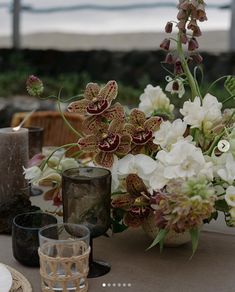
(64,257)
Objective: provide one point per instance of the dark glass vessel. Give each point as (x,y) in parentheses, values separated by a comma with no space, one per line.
(86,195)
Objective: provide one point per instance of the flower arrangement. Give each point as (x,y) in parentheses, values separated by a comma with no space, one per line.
(178,171)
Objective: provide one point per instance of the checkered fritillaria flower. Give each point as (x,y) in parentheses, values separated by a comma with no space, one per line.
(105,141)
(141,130)
(34,86)
(135,201)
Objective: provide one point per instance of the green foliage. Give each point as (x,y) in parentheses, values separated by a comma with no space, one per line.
(229,85)
(195,238)
(159,239)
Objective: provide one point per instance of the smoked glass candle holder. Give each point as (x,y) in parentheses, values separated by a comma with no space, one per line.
(25,241)
(35,140)
(64,257)
(86,195)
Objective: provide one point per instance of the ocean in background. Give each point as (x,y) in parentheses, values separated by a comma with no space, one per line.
(96,21)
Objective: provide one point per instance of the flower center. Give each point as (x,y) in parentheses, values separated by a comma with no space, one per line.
(142,137)
(97,107)
(109,143)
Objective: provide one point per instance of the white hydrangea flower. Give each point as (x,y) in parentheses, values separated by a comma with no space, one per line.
(203,116)
(230,196)
(154,99)
(32,173)
(226,167)
(139,164)
(178,83)
(183,161)
(157,179)
(169,133)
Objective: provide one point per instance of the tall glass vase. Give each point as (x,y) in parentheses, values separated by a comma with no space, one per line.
(86,195)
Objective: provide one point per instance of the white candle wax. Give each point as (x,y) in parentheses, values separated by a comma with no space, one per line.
(13,157)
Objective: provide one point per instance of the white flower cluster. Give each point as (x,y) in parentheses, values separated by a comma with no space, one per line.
(178,156)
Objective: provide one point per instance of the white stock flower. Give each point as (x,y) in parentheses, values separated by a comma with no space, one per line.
(226,167)
(157,179)
(232,212)
(230,196)
(175,86)
(169,133)
(203,116)
(139,164)
(154,99)
(183,161)
(32,173)
(49,176)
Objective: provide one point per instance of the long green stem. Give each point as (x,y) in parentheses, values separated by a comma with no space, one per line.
(194,88)
(58,148)
(66,121)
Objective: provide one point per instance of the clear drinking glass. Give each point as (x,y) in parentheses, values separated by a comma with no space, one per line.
(86,195)
(25,240)
(64,257)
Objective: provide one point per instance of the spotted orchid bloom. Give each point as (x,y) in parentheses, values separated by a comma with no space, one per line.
(106,141)
(96,100)
(141,130)
(135,201)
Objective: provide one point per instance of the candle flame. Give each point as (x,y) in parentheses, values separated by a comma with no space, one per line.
(15,129)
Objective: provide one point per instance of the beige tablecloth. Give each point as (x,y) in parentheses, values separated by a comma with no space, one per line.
(210,270)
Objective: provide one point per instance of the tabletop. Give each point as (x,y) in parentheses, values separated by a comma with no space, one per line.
(136,270)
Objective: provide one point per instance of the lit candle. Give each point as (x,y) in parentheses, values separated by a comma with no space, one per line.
(13,157)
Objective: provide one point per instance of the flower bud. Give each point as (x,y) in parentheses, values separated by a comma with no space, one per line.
(165,45)
(181,24)
(168,27)
(193,44)
(185,5)
(34,85)
(169,59)
(181,14)
(197,32)
(183,38)
(197,58)
(178,67)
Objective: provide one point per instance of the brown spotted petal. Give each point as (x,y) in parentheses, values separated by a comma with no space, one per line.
(135,185)
(88,143)
(115,112)
(153,123)
(123,201)
(125,145)
(116,126)
(104,159)
(129,128)
(79,106)
(91,124)
(142,137)
(109,91)
(92,90)
(137,117)
(131,220)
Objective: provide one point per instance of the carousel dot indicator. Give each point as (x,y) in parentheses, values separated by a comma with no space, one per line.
(103,284)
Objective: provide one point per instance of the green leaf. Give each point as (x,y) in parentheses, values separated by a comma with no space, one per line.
(194,237)
(229,85)
(214,216)
(159,239)
(221,205)
(118,227)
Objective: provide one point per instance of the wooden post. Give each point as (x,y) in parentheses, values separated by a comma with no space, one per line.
(232,28)
(16,24)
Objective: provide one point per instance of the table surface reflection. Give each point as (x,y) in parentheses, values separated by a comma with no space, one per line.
(210,270)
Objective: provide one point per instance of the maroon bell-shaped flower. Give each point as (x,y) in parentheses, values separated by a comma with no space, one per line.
(169,59)
(193,44)
(165,45)
(183,38)
(178,67)
(197,58)
(168,27)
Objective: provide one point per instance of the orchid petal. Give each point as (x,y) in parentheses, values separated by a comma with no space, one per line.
(104,159)
(91,91)
(88,143)
(109,91)
(79,106)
